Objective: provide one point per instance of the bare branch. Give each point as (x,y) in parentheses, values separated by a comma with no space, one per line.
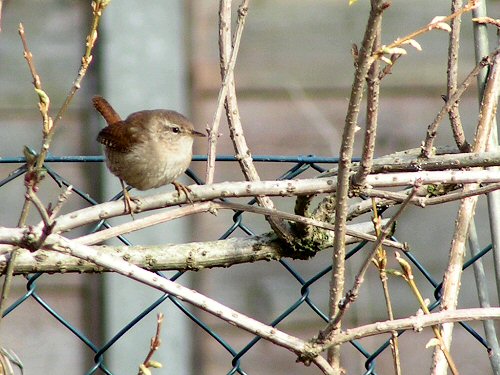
(49,126)
(372,107)
(333,325)
(415,323)
(410,160)
(227,74)
(117,264)
(363,63)
(451,282)
(432,129)
(452,78)
(185,257)
(243,154)
(272,188)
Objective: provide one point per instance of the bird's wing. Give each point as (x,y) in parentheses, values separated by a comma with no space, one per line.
(119,136)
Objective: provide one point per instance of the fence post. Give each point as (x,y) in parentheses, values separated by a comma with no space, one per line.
(144,66)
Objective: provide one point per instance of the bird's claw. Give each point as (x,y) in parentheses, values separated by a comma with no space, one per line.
(185,189)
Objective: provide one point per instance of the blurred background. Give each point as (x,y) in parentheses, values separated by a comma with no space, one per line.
(293,79)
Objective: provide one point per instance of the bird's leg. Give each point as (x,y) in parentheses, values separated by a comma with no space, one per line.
(186,190)
(127,199)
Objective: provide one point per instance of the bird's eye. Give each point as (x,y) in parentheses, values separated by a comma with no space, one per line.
(176,129)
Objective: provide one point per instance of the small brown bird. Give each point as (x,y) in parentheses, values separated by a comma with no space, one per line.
(148,149)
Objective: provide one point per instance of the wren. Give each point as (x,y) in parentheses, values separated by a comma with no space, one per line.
(148,149)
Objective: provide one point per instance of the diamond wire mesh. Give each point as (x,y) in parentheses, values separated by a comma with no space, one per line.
(299,165)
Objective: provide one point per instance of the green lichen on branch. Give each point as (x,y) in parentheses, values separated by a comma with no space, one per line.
(310,239)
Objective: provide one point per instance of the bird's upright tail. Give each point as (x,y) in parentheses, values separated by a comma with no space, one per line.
(105,109)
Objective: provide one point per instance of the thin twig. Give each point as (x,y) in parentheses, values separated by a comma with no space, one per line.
(226,72)
(155,345)
(213,207)
(60,202)
(34,174)
(486,21)
(452,77)
(372,107)
(43,99)
(484,299)
(410,160)
(415,323)
(145,222)
(451,282)
(407,274)
(380,260)
(481,48)
(48,222)
(389,198)
(432,129)
(481,45)
(471,4)
(351,295)
(33,178)
(363,64)
(97,9)
(243,153)
(431,200)
(49,126)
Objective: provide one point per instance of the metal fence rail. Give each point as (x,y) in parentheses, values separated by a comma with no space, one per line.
(304,285)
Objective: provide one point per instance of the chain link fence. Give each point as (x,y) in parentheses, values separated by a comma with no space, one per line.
(293,167)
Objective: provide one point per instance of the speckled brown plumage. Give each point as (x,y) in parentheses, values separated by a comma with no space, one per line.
(149,148)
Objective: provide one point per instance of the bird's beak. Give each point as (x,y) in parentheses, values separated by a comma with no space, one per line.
(197,134)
